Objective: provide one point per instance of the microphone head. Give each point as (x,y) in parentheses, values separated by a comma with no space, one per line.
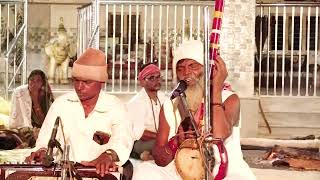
(182,85)
(180,88)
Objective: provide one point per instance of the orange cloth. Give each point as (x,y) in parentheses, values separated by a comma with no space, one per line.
(91,65)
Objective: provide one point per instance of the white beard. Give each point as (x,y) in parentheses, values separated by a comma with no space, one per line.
(194,94)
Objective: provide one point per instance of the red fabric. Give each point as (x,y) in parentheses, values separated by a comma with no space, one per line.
(150,69)
(172,145)
(223,168)
(199,114)
(218,6)
(216,25)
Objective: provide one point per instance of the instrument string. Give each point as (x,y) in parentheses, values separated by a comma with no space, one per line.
(203,156)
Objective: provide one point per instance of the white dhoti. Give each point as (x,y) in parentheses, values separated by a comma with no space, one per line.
(149,170)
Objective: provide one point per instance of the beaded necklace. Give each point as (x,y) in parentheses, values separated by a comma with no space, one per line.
(154,117)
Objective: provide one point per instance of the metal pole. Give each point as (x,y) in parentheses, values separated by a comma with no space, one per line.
(6,78)
(95,24)
(207,84)
(25,39)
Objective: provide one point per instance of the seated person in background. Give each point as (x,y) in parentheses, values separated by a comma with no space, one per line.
(144,110)
(8,139)
(188,62)
(84,112)
(29,106)
(4,113)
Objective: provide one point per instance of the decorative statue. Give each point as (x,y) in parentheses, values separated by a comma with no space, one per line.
(59,50)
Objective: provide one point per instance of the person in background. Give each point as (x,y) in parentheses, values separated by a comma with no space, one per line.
(144,110)
(4,113)
(29,106)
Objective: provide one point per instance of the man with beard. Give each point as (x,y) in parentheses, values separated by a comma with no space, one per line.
(86,112)
(188,64)
(144,110)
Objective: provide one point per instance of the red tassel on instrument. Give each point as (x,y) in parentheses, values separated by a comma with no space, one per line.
(216,27)
(223,167)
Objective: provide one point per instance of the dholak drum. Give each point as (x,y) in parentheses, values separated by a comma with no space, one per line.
(189,162)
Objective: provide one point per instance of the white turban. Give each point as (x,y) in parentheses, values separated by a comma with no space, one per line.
(189,49)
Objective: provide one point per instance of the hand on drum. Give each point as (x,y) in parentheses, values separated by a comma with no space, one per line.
(37,156)
(104,164)
(183,135)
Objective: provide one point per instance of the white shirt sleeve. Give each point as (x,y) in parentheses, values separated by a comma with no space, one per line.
(47,126)
(121,140)
(13,121)
(137,113)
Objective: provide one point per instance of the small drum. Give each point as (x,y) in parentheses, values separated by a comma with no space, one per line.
(189,162)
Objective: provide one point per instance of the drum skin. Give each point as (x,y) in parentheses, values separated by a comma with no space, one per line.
(189,162)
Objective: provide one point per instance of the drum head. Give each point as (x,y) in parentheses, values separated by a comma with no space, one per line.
(189,163)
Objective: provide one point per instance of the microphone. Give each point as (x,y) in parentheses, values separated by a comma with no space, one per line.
(48,160)
(180,88)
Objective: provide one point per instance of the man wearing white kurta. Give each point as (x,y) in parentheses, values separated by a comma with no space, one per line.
(108,116)
(188,64)
(85,112)
(141,113)
(144,110)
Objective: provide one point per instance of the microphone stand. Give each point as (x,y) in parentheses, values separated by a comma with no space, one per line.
(49,158)
(64,163)
(55,144)
(67,167)
(190,116)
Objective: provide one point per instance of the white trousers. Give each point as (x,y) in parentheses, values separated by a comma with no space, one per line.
(149,170)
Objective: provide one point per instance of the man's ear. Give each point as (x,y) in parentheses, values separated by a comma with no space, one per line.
(142,83)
